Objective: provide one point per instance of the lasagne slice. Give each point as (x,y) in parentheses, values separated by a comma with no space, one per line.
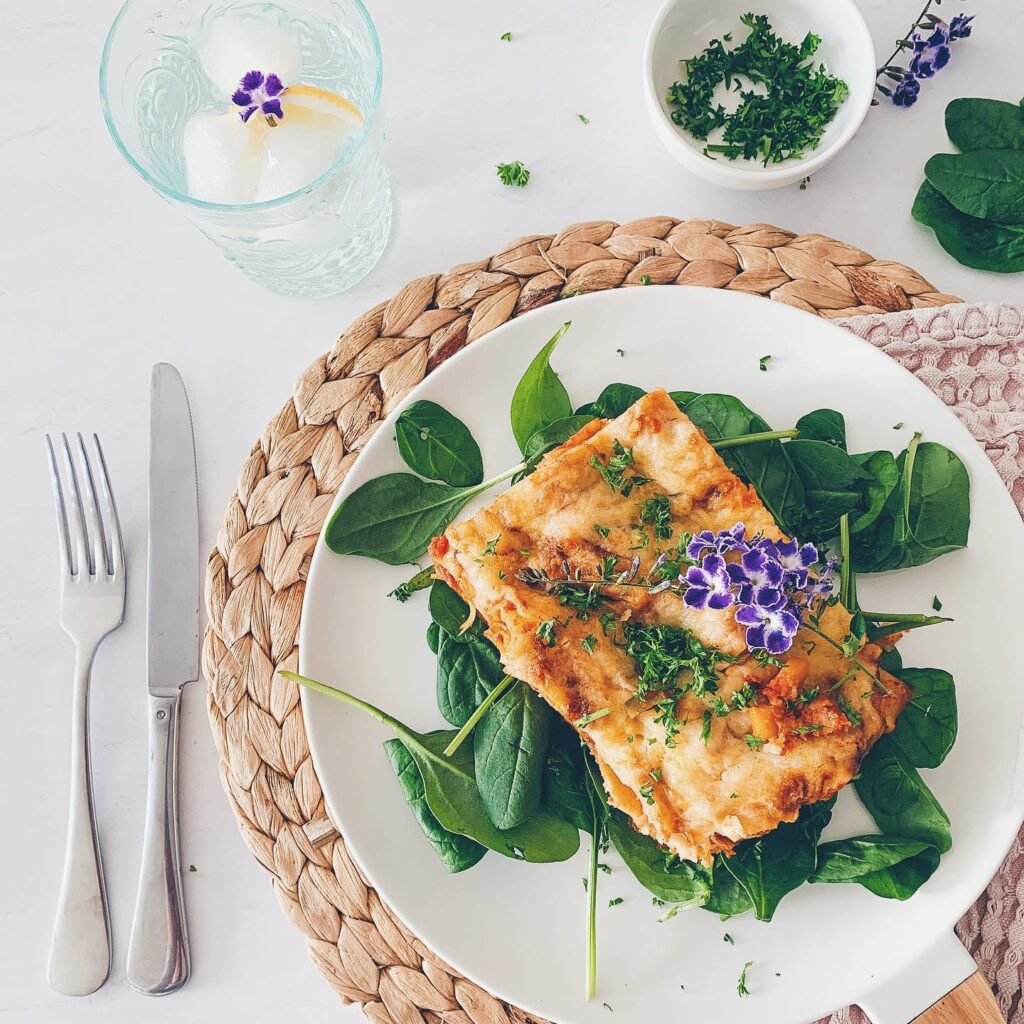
(745,744)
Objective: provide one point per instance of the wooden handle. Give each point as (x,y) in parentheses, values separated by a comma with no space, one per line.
(971,1002)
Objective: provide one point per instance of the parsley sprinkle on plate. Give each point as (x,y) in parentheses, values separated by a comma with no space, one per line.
(513,174)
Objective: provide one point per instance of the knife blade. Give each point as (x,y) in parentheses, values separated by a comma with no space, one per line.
(159,961)
(172,605)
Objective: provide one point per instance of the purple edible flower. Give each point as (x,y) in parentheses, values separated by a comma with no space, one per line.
(773,630)
(905,93)
(931,55)
(259,92)
(760,577)
(719,543)
(960,26)
(708,585)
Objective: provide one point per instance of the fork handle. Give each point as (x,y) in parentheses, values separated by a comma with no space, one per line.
(158,952)
(80,950)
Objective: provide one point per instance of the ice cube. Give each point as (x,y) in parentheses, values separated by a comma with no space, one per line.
(240,40)
(222,156)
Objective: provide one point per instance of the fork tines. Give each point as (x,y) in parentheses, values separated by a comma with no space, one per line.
(90,538)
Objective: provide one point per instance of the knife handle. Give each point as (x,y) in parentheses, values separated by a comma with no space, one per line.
(158,953)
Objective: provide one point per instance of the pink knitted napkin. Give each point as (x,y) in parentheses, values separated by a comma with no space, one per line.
(972,357)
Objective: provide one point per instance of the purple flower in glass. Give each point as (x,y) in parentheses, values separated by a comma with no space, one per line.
(760,577)
(708,585)
(770,629)
(261,92)
(905,93)
(960,26)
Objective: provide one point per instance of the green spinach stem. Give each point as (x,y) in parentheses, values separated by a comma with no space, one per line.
(907,617)
(908,623)
(591,986)
(764,435)
(901,44)
(845,566)
(471,722)
(853,657)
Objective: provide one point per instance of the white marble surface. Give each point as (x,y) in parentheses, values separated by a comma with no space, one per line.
(99,279)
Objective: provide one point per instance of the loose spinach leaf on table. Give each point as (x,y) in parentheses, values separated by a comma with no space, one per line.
(451,792)
(848,860)
(902,880)
(882,477)
(834,485)
(659,872)
(897,798)
(565,790)
(510,753)
(451,613)
(768,868)
(823,425)
(927,515)
(982,244)
(392,518)
(467,670)
(457,853)
(985,124)
(437,445)
(613,401)
(540,397)
(764,464)
(985,183)
(926,729)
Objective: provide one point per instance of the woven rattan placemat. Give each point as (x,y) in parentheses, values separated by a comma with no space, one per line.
(256,574)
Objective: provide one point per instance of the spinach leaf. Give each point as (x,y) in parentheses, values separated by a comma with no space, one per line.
(882,476)
(450,789)
(765,464)
(902,880)
(467,670)
(456,852)
(681,398)
(897,798)
(552,436)
(981,244)
(510,748)
(823,425)
(613,401)
(927,515)
(451,613)
(847,860)
(833,483)
(768,868)
(540,397)
(392,518)
(433,637)
(926,730)
(728,897)
(437,445)
(659,872)
(985,183)
(565,792)
(985,124)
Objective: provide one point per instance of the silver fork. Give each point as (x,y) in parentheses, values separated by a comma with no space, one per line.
(91,606)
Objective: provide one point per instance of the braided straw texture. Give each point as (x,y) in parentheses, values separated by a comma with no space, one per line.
(256,574)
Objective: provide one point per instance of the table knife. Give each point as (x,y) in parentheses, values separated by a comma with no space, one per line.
(158,951)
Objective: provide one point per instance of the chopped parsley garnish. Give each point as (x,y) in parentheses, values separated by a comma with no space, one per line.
(192,869)
(613,472)
(728,938)
(602,531)
(846,708)
(647,794)
(662,652)
(489,549)
(744,697)
(546,633)
(754,742)
(763,363)
(705,728)
(640,538)
(763,658)
(583,119)
(506,37)
(803,730)
(741,985)
(615,902)
(513,174)
(656,775)
(898,426)
(807,696)
(720,707)
(783,111)
(620,352)
(657,512)
(592,717)
(645,279)
(588,643)
(607,620)
(582,599)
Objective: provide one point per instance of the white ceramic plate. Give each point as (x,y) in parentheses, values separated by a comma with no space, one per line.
(518,929)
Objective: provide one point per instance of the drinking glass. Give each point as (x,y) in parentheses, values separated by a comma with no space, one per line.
(317,240)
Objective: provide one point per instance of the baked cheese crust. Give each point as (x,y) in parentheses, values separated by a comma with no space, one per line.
(738,765)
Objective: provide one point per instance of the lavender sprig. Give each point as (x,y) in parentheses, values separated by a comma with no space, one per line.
(928,39)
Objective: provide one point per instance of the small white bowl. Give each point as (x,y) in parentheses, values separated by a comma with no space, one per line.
(683,28)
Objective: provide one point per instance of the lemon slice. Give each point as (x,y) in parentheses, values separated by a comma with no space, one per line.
(316,127)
